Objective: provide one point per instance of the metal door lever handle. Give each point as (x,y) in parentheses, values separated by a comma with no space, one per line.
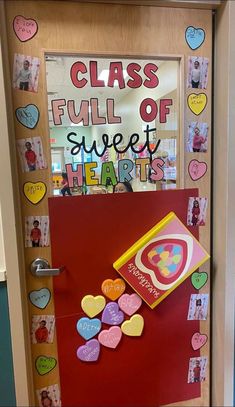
(41,267)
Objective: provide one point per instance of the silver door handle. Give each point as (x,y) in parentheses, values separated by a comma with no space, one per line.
(41,267)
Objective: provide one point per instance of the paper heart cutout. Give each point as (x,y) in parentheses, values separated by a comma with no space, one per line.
(113,288)
(199,279)
(197,169)
(35,191)
(197,102)
(45,364)
(110,337)
(93,305)
(25,28)
(111,314)
(133,327)
(40,298)
(194,37)
(28,116)
(88,328)
(129,303)
(198,340)
(89,352)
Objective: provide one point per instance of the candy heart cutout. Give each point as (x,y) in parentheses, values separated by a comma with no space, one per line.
(129,303)
(197,102)
(113,288)
(198,340)
(93,305)
(44,364)
(133,327)
(34,191)
(111,314)
(197,169)
(110,337)
(28,116)
(88,328)
(90,351)
(194,37)
(25,28)
(40,298)
(198,280)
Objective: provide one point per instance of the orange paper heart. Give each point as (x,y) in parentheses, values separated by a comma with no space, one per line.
(113,289)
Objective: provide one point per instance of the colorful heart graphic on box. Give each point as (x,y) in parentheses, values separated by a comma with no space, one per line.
(197,102)
(198,340)
(44,364)
(113,288)
(129,303)
(133,327)
(89,352)
(40,298)
(25,28)
(92,306)
(28,116)
(197,169)
(110,337)
(194,37)
(88,328)
(35,191)
(199,279)
(112,315)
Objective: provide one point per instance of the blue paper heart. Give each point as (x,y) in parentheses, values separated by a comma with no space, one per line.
(28,116)
(40,298)
(194,37)
(88,328)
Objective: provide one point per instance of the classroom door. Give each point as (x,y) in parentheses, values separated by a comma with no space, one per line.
(88,234)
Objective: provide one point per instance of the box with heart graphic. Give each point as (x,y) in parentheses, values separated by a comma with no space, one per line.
(161,260)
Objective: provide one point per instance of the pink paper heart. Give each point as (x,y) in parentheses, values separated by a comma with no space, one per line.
(129,303)
(197,169)
(110,337)
(198,340)
(25,28)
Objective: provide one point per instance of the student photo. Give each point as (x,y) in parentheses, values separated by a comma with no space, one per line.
(197,369)
(49,396)
(43,327)
(31,154)
(26,73)
(197,208)
(197,138)
(36,231)
(198,307)
(197,72)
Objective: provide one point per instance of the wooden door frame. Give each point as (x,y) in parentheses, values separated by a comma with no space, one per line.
(224,231)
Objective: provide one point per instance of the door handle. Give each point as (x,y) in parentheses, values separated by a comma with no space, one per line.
(41,267)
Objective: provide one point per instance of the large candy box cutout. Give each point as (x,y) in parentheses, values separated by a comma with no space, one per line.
(161,260)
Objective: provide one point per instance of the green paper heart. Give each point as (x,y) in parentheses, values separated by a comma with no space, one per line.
(199,279)
(45,364)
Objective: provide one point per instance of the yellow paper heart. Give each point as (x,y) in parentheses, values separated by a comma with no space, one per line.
(197,102)
(134,326)
(35,191)
(93,305)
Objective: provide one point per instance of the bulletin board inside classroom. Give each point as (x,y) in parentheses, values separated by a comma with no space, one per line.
(141,120)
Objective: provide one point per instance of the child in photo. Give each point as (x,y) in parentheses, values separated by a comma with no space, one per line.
(31,155)
(197,137)
(198,307)
(197,369)
(36,231)
(198,72)
(43,328)
(197,208)
(26,73)
(49,396)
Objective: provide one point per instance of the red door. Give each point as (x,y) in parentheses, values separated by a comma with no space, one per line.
(88,233)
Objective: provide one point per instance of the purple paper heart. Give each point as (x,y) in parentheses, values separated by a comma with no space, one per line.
(89,352)
(111,314)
